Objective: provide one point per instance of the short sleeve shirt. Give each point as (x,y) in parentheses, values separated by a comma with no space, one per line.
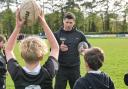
(23,80)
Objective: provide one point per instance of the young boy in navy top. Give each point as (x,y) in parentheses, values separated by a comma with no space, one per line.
(94,78)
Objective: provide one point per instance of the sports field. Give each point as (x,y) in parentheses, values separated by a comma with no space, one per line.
(116,60)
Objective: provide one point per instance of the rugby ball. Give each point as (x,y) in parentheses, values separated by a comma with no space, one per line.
(29,11)
(82,45)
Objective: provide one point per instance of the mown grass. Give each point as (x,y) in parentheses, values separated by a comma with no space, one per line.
(116,60)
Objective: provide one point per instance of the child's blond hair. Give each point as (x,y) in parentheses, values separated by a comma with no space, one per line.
(33,48)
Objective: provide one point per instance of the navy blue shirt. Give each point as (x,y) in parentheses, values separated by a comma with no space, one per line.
(94,81)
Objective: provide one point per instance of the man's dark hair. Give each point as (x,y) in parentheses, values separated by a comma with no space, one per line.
(69,15)
(94,58)
(2,38)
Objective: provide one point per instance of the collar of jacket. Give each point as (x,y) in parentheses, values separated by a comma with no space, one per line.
(62,29)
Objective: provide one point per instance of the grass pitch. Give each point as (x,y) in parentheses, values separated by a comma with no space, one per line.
(116,60)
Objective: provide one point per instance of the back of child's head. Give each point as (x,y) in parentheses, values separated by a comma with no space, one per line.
(33,49)
(94,57)
(2,38)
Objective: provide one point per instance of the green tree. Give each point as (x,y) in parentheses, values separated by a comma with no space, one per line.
(89,10)
(54,20)
(124,28)
(8,21)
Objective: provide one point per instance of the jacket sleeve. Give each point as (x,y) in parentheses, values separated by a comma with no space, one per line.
(83,38)
(51,66)
(111,84)
(78,85)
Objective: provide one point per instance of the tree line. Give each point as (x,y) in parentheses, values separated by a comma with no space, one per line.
(89,18)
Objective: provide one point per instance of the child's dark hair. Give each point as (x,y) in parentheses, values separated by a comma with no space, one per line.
(69,15)
(94,58)
(126,79)
(2,38)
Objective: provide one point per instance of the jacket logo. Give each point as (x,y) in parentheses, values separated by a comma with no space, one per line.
(33,87)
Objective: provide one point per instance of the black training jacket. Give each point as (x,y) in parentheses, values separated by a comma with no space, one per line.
(72,38)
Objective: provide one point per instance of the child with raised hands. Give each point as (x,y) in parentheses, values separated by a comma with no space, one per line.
(32,75)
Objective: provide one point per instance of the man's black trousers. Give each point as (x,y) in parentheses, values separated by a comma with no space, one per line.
(67,74)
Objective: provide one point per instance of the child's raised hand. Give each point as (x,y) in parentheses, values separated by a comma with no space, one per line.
(19,22)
